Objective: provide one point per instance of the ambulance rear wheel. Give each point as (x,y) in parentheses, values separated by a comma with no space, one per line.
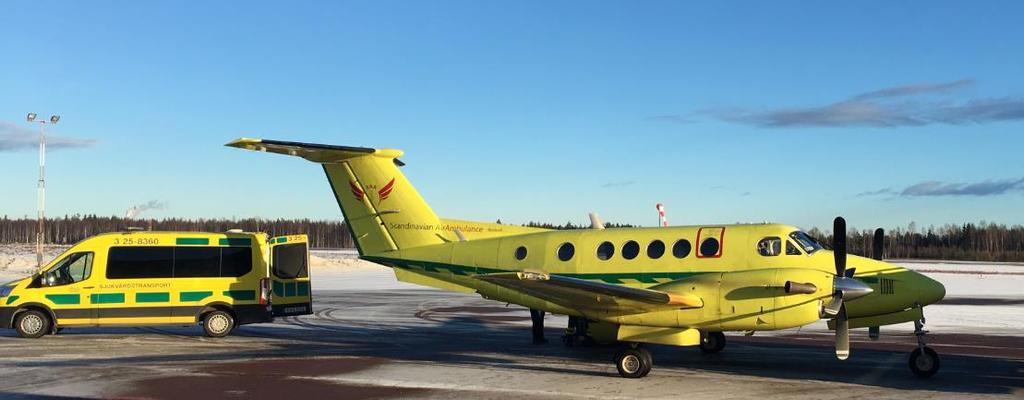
(634,363)
(32,324)
(218,323)
(712,342)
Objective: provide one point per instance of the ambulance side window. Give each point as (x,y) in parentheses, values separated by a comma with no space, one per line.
(74,268)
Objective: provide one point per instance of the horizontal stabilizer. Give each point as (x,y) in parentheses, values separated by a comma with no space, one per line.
(318,153)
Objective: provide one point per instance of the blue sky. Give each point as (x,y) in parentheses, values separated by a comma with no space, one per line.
(882,112)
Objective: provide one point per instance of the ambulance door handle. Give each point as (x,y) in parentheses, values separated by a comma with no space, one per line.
(88,287)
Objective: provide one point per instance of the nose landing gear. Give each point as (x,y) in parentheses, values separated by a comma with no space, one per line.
(924,361)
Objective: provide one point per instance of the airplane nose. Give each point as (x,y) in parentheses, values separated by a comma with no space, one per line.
(929,290)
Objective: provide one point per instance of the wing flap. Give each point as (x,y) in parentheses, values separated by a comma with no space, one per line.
(583,294)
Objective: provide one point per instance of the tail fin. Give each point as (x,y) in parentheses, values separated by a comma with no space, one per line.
(380,206)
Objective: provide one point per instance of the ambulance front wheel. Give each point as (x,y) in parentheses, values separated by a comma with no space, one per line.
(32,324)
(218,323)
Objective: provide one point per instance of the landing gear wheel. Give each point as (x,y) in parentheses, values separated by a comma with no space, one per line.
(634,363)
(924,362)
(218,324)
(32,324)
(712,342)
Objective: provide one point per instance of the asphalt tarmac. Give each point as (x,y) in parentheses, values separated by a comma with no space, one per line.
(432,344)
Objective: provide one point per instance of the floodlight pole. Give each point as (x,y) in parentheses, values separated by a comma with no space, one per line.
(40,235)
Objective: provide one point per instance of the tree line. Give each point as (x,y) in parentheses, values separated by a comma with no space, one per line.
(71,229)
(982,241)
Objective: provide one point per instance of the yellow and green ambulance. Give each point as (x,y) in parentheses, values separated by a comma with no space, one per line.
(142,278)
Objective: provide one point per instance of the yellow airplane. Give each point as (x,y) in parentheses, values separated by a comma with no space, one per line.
(679,286)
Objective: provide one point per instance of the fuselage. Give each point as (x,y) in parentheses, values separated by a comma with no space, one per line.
(738,269)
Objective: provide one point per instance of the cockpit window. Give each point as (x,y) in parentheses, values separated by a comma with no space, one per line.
(791,249)
(769,246)
(806,242)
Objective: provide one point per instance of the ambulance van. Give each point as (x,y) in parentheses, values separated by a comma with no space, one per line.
(140,278)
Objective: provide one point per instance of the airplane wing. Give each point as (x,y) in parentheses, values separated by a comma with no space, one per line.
(588,295)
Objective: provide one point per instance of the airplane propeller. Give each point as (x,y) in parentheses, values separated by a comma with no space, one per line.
(878,244)
(844,288)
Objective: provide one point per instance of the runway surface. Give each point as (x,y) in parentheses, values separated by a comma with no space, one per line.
(432,344)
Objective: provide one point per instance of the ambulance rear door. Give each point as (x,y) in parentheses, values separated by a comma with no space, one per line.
(289,275)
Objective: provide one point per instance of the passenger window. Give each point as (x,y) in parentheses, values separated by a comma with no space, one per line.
(74,268)
(630,250)
(656,249)
(140,262)
(791,249)
(289,261)
(681,249)
(709,247)
(196,262)
(566,251)
(605,251)
(237,261)
(521,253)
(769,246)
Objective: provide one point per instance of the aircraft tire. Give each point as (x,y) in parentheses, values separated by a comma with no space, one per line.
(924,362)
(634,363)
(712,342)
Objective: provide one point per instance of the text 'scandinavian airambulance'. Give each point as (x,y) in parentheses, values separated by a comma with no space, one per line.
(678,286)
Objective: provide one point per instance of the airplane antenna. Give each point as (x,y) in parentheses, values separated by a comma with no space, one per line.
(662,221)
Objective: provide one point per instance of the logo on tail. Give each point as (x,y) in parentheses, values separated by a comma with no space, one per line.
(382,194)
(356,191)
(386,190)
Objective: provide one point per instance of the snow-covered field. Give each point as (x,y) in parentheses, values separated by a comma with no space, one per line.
(986,298)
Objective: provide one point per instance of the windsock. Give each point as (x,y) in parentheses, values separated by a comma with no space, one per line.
(661,215)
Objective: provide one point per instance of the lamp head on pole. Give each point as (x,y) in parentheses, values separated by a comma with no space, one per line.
(54,118)
(30,117)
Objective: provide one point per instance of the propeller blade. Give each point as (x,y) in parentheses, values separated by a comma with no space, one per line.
(878,245)
(833,306)
(839,245)
(842,335)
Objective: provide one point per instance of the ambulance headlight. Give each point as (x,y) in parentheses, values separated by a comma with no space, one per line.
(5,290)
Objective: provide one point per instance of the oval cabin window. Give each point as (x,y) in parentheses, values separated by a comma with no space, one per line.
(630,250)
(656,249)
(709,247)
(605,251)
(521,253)
(681,249)
(566,251)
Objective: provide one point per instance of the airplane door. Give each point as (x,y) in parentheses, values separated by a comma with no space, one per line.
(289,274)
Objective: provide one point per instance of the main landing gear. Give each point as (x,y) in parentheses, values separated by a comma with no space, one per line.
(924,361)
(634,362)
(712,342)
(537,317)
(577,333)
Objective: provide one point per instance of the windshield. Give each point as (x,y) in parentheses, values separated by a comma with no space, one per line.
(806,242)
